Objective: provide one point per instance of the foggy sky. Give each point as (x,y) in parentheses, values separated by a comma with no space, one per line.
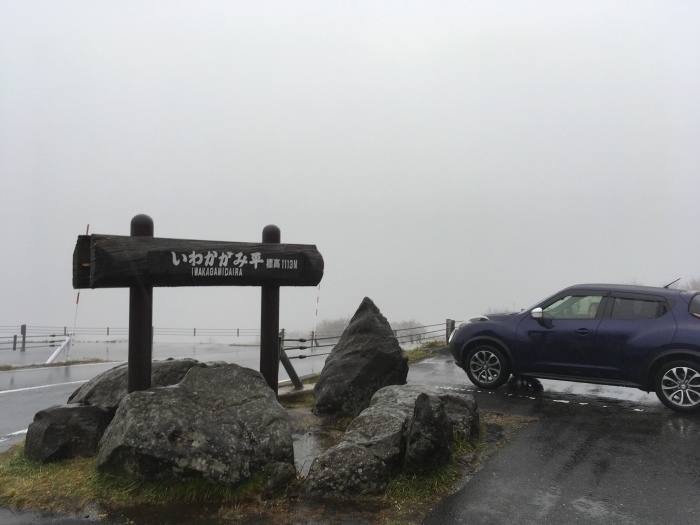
(444,157)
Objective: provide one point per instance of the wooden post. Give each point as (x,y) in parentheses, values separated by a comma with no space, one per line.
(140,319)
(270,320)
(23,331)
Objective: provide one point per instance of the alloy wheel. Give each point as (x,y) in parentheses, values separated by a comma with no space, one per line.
(681,386)
(485,366)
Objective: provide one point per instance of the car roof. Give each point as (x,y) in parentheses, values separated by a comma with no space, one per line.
(628,288)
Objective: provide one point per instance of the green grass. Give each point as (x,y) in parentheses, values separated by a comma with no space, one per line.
(423,351)
(298,399)
(69,486)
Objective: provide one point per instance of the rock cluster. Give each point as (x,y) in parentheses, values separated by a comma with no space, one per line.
(222,422)
(405,429)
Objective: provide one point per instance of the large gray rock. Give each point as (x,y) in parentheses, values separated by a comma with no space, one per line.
(107,389)
(460,407)
(406,428)
(222,424)
(62,432)
(367,358)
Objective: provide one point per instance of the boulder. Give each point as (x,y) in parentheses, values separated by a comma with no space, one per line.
(367,358)
(365,459)
(223,424)
(107,389)
(460,407)
(63,432)
(406,428)
(428,437)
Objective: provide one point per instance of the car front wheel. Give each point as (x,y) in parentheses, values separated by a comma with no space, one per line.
(677,385)
(487,367)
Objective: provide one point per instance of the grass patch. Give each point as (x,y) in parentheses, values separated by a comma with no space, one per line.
(297,399)
(70,486)
(6,368)
(423,351)
(310,380)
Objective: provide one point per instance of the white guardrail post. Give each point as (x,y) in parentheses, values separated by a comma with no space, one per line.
(65,344)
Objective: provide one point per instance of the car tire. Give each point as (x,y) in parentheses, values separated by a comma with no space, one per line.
(487,367)
(677,385)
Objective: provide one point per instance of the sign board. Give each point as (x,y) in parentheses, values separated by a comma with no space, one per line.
(111,261)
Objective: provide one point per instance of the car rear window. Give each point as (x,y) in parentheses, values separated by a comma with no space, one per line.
(638,308)
(695,306)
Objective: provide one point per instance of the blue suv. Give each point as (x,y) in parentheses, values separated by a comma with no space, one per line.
(636,336)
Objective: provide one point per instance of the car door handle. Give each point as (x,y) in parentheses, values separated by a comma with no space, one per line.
(583,331)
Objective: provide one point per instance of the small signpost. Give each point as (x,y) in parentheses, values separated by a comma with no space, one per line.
(141,262)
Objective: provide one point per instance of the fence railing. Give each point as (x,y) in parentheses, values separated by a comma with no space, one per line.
(26,337)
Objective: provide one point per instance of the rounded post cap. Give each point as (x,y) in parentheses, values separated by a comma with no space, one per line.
(142,225)
(271,233)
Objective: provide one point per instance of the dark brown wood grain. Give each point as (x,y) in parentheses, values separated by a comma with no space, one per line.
(113,261)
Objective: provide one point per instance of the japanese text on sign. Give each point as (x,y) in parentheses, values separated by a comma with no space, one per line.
(213,263)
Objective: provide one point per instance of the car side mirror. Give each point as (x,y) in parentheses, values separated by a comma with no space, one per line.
(536,313)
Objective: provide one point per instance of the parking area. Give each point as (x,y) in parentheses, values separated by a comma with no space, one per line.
(592,454)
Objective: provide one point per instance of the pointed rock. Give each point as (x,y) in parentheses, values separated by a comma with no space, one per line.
(367,358)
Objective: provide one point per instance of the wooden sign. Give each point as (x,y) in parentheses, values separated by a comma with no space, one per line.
(113,261)
(140,262)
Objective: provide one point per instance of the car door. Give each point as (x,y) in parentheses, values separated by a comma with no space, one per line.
(632,330)
(563,341)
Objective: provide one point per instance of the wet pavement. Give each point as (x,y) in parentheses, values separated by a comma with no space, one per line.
(586,464)
(591,454)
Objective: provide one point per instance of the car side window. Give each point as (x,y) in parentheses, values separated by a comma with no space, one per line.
(573,307)
(695,306)
(624,308)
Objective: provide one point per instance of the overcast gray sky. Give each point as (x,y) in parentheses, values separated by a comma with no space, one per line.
(445,157)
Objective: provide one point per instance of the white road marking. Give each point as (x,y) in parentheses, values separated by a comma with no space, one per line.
(13,434)
(41,386)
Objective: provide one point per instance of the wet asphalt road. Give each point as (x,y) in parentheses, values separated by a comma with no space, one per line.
(592,455)
(586,466)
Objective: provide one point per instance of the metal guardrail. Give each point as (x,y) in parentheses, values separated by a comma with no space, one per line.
(26,337)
